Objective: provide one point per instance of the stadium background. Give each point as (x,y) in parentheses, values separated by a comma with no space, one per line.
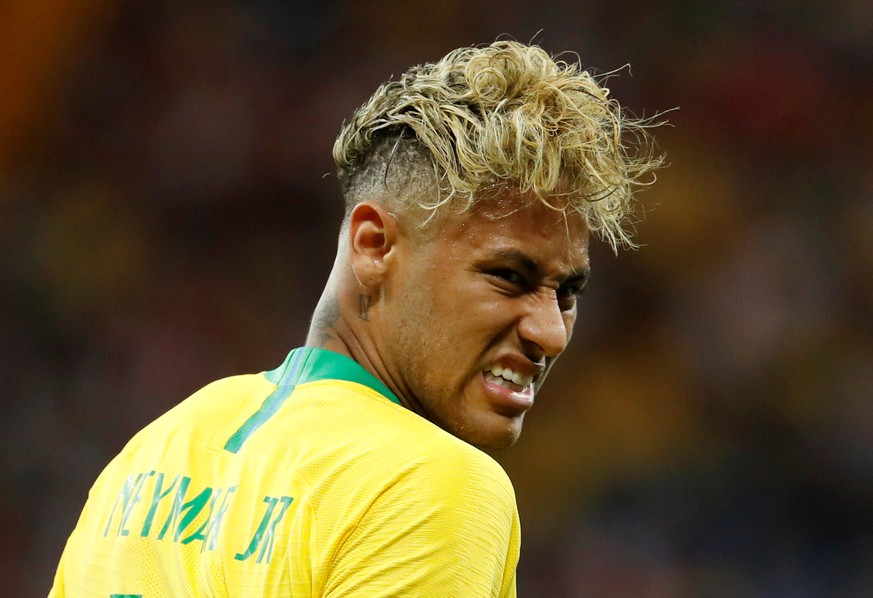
(165,220)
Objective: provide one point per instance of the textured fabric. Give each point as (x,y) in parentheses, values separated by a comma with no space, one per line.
(306,481)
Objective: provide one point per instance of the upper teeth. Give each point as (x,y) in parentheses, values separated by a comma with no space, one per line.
(510,376)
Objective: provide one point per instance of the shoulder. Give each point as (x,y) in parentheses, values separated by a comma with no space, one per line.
(389,437)
(424,511)
(361,443)
(465,493)
(406,461)
(451,467)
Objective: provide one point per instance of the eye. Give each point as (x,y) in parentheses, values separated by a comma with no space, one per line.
(570,290)
(568,294)
(508,275)
(573,287)
(508,279)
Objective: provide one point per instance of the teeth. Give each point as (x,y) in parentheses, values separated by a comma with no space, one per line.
(505,374)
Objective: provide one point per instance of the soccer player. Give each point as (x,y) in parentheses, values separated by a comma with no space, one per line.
(354,468)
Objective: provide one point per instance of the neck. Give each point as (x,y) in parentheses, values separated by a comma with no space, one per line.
(333,326)
(337,325)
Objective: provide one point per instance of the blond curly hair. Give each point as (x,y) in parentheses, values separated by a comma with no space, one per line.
(502,116)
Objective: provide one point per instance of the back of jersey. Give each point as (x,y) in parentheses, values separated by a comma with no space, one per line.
(174,507)
(310,480)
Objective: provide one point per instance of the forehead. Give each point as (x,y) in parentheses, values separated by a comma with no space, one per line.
(520,223)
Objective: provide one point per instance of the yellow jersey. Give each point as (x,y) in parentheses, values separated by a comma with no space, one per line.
(309,480)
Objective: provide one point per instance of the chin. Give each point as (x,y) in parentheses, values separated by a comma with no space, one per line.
(491,438)
(496,444)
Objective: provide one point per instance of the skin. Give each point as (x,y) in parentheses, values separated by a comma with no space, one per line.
(429,314)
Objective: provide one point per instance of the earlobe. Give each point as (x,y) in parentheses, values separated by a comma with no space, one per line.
(372,235)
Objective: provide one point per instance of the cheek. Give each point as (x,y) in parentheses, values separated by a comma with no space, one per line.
(420,334)
(444,321)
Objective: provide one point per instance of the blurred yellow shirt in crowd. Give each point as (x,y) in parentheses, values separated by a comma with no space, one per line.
(310,480)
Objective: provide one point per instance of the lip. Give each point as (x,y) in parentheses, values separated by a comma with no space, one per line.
(506,401)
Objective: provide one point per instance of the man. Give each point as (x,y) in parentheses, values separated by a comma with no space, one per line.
(471,185)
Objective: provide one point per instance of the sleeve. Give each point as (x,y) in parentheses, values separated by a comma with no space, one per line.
(443,527)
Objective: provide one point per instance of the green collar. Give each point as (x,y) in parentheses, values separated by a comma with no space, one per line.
(304,364)
(308,364)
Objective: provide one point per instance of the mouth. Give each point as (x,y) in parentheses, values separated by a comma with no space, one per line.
(510,393)
(505,377)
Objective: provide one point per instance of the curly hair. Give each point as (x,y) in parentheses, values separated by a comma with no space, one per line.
(506,115)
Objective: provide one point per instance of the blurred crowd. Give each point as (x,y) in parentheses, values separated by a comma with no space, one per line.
(168,216)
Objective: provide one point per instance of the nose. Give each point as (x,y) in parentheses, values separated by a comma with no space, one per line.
(543,326)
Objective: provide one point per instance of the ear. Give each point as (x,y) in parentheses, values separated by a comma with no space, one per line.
(372,236)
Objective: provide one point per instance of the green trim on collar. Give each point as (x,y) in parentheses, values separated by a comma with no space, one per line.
(327,365)
(321,364)
(305,364)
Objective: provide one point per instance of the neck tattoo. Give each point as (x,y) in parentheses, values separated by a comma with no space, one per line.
(364,307)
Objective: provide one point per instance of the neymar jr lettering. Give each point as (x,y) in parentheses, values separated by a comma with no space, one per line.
(172,512)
